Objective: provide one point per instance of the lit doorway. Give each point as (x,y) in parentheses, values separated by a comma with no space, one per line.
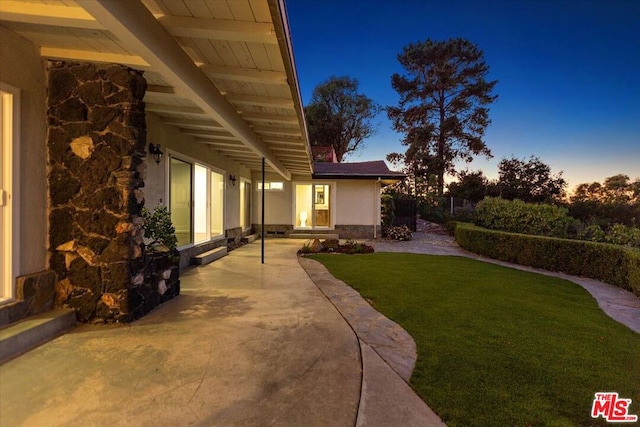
(313,206)
(9,107)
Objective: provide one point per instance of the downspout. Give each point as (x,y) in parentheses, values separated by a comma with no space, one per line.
(262,220)
(376,207)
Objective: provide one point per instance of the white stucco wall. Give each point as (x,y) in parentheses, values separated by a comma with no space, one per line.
(170,139)
(358,202)
(22,67)
(279,204)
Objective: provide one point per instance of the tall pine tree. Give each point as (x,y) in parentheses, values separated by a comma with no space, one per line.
(443,109)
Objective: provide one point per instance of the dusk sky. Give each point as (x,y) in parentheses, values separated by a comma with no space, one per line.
(568,72)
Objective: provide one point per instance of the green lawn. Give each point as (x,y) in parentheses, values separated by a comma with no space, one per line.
(498,346)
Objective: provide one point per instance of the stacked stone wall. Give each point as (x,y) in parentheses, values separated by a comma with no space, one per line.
(96,147)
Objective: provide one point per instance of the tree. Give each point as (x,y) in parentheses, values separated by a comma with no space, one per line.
(443,109)
(340,116)
(470,186)
(616,201)
(529,180)
(616,189)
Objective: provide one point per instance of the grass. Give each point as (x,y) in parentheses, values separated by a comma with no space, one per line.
(498,346)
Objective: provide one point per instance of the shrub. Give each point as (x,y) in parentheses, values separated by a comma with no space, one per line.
(159,230)
(620,234)
(333,246)
(516,216)
(388,209)
(613,264)
(401,233)
(450,227)
(592,233)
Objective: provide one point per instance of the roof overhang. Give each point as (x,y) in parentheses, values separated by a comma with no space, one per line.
(384,179)
(373,170)
(223,72)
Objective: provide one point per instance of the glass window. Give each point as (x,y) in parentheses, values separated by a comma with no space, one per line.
(217,203)
(180,199)
(321,208)
(245,205)
(200,204)
(271,186)
(9,137)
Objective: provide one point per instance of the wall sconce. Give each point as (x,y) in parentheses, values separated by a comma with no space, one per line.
(156,152)
(232,178)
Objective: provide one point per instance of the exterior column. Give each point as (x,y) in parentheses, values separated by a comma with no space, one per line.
(96,147)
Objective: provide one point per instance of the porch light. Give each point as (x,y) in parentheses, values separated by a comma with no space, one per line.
(156,152)
(233,179)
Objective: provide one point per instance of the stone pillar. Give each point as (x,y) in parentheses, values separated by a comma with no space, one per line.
(96,147)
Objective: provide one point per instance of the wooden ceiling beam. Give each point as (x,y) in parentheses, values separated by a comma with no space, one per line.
(131,61)
(219,29)
(251,75)
(165,108)
(275,118)
(262,101)
(270,130)
(185,123)
(221,133)
(47,14)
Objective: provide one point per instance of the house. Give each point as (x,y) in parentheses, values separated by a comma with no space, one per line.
(109,106)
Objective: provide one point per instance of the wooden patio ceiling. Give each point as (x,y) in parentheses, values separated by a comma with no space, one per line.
(220,70)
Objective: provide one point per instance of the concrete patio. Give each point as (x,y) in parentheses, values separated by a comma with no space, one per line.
(245,344)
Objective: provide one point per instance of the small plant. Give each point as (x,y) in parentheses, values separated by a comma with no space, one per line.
(333,246)
(159,230)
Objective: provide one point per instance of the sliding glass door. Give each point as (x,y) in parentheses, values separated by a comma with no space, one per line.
(196,201)
(180,199)
(8,143)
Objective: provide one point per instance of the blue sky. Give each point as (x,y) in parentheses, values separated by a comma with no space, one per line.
(568,72)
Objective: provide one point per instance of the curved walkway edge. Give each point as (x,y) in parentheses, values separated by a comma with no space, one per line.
(388,357)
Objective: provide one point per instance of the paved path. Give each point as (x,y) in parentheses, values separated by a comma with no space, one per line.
(619,304)
(245,344)
(388,355)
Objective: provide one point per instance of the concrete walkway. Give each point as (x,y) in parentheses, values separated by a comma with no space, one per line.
(388,358)
(244,345)
(619,304)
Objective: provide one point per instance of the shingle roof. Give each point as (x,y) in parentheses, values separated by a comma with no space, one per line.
(360,170)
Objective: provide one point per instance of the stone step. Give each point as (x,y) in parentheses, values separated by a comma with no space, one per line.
(310,236)
(209,256)
(250,238)
(27,334)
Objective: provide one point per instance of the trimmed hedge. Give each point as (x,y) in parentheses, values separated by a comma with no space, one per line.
(516,216)
(613,264)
